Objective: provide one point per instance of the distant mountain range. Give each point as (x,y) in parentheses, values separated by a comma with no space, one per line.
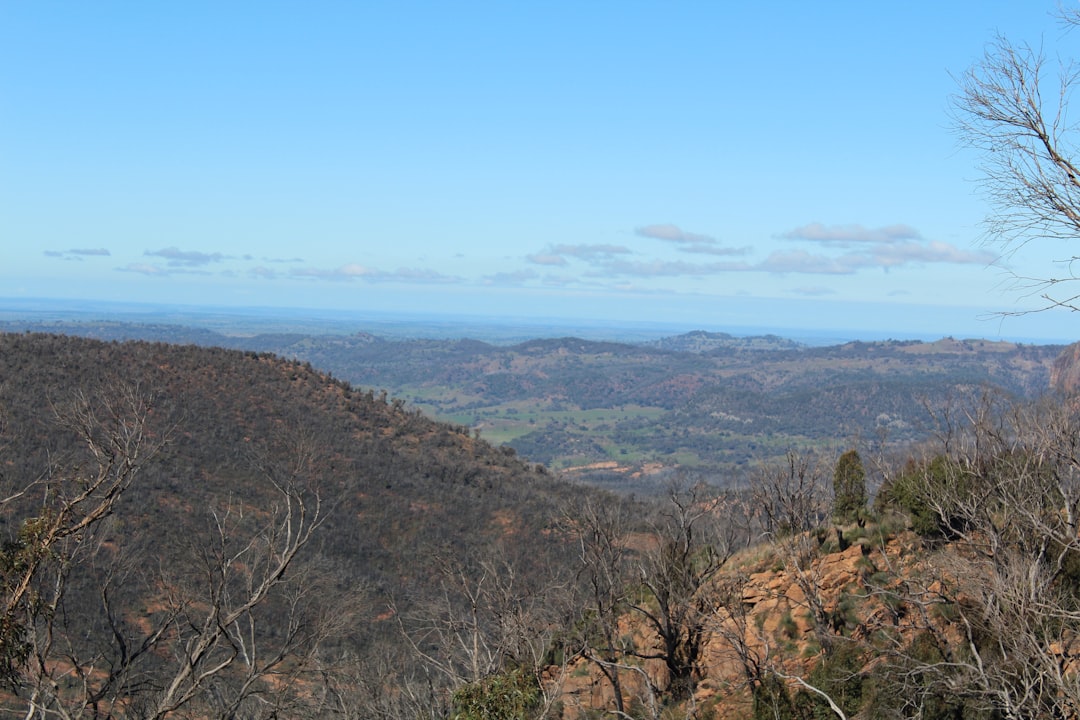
(623,414)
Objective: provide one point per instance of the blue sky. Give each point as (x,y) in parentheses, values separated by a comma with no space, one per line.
(783,164)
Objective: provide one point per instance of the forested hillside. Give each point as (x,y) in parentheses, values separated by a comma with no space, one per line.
(250,453)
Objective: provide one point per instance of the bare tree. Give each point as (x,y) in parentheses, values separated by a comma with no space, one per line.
(999,603)
(214,633)
(602,532)
(1013,107)
(204,646)
(382,686)
(488,620)
(75,500)
(739,639)
(692,542)
(791,496)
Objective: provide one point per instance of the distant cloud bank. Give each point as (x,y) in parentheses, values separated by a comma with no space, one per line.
(652,259)
(672,233)
(883,248)
(356,271)
(77,253)
(176,257)
(846,235)
(862,248)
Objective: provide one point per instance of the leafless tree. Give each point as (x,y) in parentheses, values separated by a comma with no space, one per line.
(75,500)
(739,639)
(791,496)
(999,600)
(232,640)
(488,618)
(379,686)
(214,632)
(602,530)
(692,541)
(1013,107)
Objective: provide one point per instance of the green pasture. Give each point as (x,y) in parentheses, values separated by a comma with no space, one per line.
(506,421)
(502,423)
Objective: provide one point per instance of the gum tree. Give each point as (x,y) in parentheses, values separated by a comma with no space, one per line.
(1013,107)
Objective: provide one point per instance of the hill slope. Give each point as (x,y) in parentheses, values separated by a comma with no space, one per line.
(403,502)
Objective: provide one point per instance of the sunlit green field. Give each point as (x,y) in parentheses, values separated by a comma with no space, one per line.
(628,435)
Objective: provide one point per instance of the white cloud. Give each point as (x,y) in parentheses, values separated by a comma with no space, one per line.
(422,275)
(882,256)
(556,255)
(185,258)
(263,273)
(145,269)
(710,250)
(77,253)
(801,261)
(931,252)
(356,271)
(547,259)
(560,280)
(672,233)
(510,278)
(847,235)
(590,252)
(343,273)
(885,247)
(667,268)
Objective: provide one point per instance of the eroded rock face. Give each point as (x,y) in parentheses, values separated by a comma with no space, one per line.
(1065,372)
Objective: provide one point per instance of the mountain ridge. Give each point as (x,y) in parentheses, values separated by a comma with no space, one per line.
(699,401)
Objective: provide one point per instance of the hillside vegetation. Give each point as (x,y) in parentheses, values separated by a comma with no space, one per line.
(204,451)
(196,532)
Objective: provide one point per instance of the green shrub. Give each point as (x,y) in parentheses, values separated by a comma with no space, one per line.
(507,696)
(925,492)
(788,627)
(840,675)
(771,700)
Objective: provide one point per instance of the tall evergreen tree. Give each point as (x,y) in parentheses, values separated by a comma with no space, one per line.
(849,487)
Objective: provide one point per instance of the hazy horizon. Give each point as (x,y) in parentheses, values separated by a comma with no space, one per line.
(490,327)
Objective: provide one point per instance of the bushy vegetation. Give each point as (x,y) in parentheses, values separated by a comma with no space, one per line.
(511,695)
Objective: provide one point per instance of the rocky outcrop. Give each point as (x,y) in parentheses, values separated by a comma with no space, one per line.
(774,606)
(1065,372)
